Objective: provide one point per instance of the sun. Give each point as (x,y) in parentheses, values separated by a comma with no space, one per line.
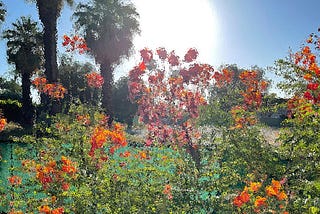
(178,25)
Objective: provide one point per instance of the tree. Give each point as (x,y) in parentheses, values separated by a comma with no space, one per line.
(24,49)
(2,12)
(169,92)
(124,111)
(72,75)
(108,28)
(49,12)
(225,94)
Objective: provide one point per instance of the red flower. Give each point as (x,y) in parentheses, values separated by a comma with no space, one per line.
(237,201)
(162,53)
(94,80)
(142,66)
(191,55)
(173,59)
(312,86)
(244,197)
(59,210)
(65,186)
(308,95)
(146,55)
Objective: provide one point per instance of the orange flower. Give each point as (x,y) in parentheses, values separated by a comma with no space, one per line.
(3,123)
(167,189)
(59,210)
(237,201)
(260,201)
(282,196)
(244,196)
(271,191)
(276,185)
(44,209)
(125,154)
(15,180)
(143,155)
(254,186)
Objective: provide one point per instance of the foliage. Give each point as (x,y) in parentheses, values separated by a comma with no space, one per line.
(300,140)
(11,109)
(73,76)
(124,110)
(10,89)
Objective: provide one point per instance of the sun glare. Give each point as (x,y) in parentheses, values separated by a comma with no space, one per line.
(178,25)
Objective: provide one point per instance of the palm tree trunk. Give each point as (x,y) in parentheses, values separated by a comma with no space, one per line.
(27,108)
(48,17)
(50,51)
(107,74)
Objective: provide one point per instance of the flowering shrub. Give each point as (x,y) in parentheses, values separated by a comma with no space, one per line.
(169,92)
(55,91)
(256,199)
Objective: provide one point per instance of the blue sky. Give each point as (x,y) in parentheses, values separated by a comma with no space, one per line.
(246,32)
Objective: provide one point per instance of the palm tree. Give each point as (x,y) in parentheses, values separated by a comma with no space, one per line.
(2,12)
(49,12)
(24,49)
(108,26)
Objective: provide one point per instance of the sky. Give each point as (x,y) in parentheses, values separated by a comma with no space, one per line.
(242,32)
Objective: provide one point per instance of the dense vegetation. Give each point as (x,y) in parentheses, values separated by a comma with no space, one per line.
(174,136)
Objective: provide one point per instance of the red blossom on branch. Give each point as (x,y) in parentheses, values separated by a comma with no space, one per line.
(75,43)
(53,90)
(169,101)
(94,80)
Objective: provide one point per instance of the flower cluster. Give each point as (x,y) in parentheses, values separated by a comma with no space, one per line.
(47,210)
(223,78)
(101,136)
(169,92)
(15,180)
(94,80)
(242,118)
(84,119)
(244,115)
(264,199)
(167,191)
(53,172)
(306,61)
(75,43)
(3,123)
(300,106)
(53,90)
(254,89)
